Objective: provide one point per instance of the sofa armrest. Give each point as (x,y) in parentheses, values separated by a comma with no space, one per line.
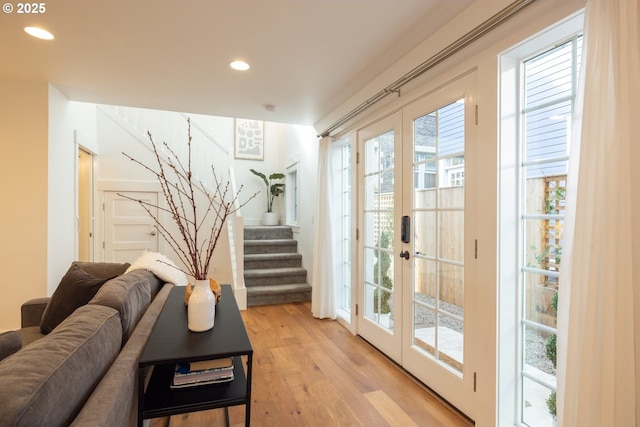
(10,342)
(32,310)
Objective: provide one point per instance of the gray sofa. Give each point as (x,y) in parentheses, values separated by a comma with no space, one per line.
(77,352)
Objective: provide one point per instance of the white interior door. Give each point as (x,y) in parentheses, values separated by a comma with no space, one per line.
(439,146)
(129,230)
(379,307)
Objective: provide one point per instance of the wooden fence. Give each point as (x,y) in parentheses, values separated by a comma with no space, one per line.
(449,226)
(543,243)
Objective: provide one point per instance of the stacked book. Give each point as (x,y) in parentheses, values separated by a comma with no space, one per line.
(214,371)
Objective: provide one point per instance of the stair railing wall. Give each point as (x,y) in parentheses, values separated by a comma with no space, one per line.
(236,247)
(207,152)
(171,127)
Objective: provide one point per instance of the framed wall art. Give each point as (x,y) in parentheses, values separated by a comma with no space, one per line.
(249,142)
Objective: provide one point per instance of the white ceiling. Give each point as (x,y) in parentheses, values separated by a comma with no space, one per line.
(306,56)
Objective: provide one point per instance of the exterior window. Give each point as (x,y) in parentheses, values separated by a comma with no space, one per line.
(343,164)
(548,86)
(456,178)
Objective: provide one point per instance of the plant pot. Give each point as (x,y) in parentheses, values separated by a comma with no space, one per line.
(201,310)
(270,218)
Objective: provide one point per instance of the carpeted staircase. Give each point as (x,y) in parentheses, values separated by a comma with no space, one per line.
(273,272)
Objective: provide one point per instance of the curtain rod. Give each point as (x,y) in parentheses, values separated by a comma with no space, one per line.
(473,35)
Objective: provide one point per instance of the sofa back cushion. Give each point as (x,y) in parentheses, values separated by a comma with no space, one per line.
(104,270)
(48,382)
(76,289)
(130,294)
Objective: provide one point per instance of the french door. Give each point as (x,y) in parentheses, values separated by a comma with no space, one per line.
(380,295)
(416,242)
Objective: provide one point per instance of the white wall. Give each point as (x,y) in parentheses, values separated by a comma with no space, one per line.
(301,144)
(280,141)
(68,122)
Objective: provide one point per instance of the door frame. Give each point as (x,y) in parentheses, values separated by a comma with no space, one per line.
(78,198)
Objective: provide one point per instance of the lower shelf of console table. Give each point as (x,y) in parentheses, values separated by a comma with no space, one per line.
(161,400)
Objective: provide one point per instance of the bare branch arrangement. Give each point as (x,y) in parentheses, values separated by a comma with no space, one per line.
(199,227)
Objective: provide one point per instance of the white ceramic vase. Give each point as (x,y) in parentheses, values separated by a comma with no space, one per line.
(270,218)
(201,310)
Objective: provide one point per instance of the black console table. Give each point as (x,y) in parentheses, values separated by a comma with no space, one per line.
(171,342)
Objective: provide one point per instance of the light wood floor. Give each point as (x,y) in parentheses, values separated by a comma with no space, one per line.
(310,372)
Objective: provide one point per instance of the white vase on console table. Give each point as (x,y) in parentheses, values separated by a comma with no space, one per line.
(201,310)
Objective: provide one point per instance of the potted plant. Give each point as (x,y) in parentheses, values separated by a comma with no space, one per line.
(274,189)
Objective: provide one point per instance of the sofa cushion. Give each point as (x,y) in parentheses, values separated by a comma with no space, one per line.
(130,294)
(76,288)
(10,342)
(104,270)
(48,382)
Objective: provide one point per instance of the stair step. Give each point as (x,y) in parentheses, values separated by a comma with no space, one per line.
(273,272)
(274,276)
(270,246)
(278,294)
(268,232)
(272,260)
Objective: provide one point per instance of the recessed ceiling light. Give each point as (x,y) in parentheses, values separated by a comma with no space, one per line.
(239,65)
(39,33)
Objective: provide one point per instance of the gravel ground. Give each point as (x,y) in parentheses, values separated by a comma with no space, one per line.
(426,316)
(535,352)
(535,344)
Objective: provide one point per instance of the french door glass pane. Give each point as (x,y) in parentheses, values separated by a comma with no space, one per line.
(424,326)
(425,225)
(451,232)
(451,289)
(438,237)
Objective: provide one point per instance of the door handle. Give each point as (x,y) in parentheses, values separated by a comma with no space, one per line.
(404,254)
(405,229)
(152,233)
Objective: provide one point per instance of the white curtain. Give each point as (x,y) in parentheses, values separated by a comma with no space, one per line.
(323,295)
(599,301)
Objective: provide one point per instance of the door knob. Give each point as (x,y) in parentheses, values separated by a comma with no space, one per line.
(152,233)
(404,254)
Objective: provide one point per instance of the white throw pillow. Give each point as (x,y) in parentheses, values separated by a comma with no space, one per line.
(161,266)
